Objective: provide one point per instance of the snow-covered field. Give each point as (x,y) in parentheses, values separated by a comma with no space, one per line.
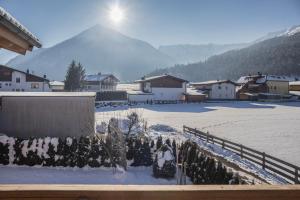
(60,175)
(270,127)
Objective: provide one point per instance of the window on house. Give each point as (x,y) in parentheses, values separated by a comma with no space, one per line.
(219,87)
(18,80)
(275,88)
(9,84)
(0,85)
(35,86)
(0,103)
(6,84)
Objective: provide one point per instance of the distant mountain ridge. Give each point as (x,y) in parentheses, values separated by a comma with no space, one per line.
(99,49)
(279,55)
(184,54)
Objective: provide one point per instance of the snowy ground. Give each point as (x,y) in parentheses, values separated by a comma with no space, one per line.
(50,175)
(270,127)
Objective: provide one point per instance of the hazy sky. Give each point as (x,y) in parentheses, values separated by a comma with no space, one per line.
(159,22)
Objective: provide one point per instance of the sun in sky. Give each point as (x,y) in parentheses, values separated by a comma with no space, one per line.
(116,14)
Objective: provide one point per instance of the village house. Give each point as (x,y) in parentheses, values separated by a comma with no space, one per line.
(57,86)
(16,80)
(260,86)
(159,88)
(217,89)
(100,82)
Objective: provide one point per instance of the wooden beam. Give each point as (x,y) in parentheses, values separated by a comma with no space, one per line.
(4,43)
(13,38)
(151,192)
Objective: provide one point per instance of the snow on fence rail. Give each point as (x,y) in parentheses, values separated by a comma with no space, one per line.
(280,167)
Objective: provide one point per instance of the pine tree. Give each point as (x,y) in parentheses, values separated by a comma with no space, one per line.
(74,77)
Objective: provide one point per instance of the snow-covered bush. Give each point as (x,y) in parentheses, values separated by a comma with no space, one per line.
(203,169)
(164,165)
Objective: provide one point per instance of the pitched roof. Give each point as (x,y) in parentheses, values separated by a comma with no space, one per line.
(98,77)
(15,26)
(32,75)
(211,82)
(158,77)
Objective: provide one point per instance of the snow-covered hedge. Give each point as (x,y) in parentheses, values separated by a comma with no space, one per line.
(71,152)
(203,169)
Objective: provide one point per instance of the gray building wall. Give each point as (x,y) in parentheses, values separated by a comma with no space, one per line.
(47,116)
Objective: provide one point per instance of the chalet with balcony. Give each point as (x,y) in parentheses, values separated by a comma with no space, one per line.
(16,80)
(100,82)
(216,89)
(159,88)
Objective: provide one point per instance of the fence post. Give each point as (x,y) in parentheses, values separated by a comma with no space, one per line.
(241,146)
(296,176)
(207,136)
(263,160)
(223,144)
(212,139)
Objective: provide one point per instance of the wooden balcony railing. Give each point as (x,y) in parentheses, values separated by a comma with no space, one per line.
(151,192)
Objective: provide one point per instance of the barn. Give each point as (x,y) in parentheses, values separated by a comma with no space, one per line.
(40,114)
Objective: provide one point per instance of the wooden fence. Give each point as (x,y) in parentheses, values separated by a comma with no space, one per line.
(270,163)
(151,192)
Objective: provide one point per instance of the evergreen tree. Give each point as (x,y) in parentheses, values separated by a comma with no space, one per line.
(74,77)
(159,142)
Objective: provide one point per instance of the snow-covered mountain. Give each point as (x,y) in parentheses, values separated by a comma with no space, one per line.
(99,49)
(285,32)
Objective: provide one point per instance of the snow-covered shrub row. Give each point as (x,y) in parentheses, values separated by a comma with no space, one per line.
(203,169)
(72,152)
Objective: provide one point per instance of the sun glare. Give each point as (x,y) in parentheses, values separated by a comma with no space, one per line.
(116,14)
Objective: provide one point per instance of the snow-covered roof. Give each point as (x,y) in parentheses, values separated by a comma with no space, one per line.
(193,91)
(294,83)
(138,92)
(265,78)
(211,82)
(11,23)
(47,94)
(160,76)
(56,83)
(97,77)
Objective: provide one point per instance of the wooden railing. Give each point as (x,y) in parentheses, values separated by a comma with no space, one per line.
(151,192)
(270,163)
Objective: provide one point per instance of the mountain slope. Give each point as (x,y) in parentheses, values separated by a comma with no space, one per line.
(279,55)
(99,50)
(184,54)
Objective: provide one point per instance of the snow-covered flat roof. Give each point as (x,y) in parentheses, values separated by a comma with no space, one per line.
(56,83)
(192,91)
(47,94)
(294,83)
(211,82)
(138,92)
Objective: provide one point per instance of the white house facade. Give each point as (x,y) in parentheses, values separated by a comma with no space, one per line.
(217,89)
(16,80)
(159,88)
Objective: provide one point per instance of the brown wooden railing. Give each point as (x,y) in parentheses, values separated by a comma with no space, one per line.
(151,192)
(270,163)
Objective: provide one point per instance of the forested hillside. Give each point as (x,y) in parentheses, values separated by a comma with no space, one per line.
(279,55)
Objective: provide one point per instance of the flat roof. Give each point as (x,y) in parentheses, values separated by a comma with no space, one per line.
(47,94)
(211,82)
